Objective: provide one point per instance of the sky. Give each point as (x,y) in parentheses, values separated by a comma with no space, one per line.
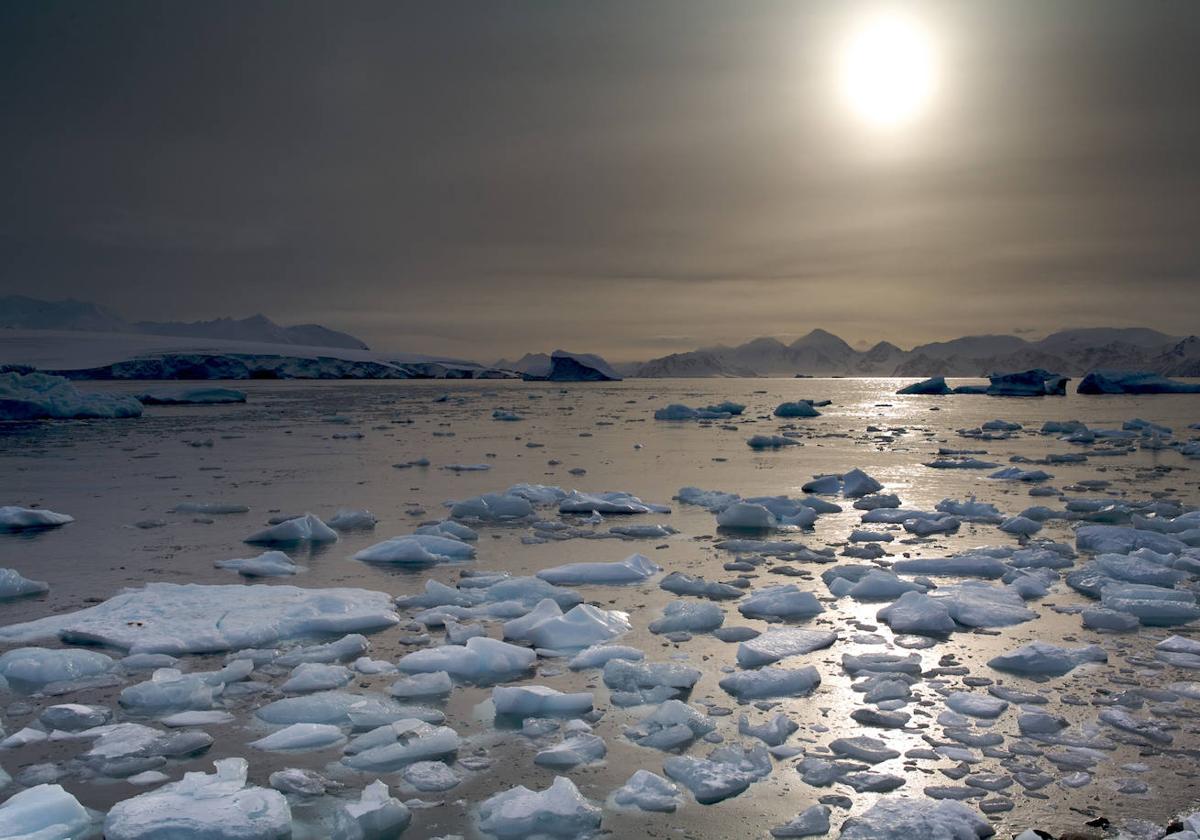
(624,177)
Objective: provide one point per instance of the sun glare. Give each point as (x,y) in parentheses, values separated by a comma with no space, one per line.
(889,70)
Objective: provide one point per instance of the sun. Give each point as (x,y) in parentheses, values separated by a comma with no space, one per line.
(889,70)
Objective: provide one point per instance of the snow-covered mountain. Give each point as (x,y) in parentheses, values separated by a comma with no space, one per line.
(1071,352)
(26,313)
(18,312)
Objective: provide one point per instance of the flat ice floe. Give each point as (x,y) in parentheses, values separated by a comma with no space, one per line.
(196,618)
(633,569)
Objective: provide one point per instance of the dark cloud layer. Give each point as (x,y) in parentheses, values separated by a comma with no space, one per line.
(626,177)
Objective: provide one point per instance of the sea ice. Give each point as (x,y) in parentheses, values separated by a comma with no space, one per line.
(785,601)
(13,518)
(417,550)
(772,682)
(547,626)
(36,396)
(267,564)
(388,748)
(649,792)
(197,618)
(34,667)
(220,806)
(560,811)
(43,812)
(479,660)
(14,585)
(688,616)
(539,701)
(300,736)
(779,644)
(633,569)
(905,819)
(1043,658)
(608,504)
(726,772)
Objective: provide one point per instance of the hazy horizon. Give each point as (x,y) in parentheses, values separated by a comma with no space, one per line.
(621,178)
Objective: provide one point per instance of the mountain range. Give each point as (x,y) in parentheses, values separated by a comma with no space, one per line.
(26,313)
(820,353)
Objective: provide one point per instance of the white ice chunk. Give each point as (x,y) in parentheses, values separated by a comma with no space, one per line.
(301,736)
(1043,658)
(560,811)
(306,528)
(267,564)
(633,569)
(539,701)
(649,792)
(194,618)
(34,667)
(43,812)
(417,549)
(480,660)
(13,518)
(785,601)
(214,807)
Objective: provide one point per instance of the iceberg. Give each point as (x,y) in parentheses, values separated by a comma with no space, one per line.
(648,792)
(35,667)
(267,564)
(306,528)
(417,550)
(774,645)
(726,772)
(905,819)
(13,518)
(558,813)
(220,806)
(480,660)
(547,626)
(801,408)
(525,701)
(197,618)
(1045,659)
(39,396)
(772,682)
(14,585)
(493,507)
(300,736)
(785,601)
(388,748)
(607,504)
(633,569)
(43,812)
(688,617)
(934,386)
(377,814)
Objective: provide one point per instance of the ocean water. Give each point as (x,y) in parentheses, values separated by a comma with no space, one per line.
(296,447)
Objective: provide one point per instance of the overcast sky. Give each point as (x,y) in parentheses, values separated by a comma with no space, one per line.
(630,178)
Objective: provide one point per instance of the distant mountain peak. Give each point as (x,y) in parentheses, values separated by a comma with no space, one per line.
(22,312)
